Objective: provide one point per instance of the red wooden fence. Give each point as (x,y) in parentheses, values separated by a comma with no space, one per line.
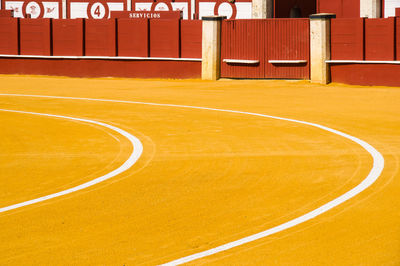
(379,39)
(267,48)
(347,42)
(164,38)
(68,37)
(100,37)
(133,37)
(35,36)
(105,37)
(9,36)
(365,39)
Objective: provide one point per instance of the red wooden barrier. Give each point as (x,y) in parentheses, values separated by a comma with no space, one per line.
(264,40)
(342,8)
(101,68)
(100,37)
(398,38)
(35,36)
(379,39)
(347,39)
(9,36)
(288,39)
(243,40)
(6,13)
(164,38)
(133,37)
(68,37)
(191,34)
(366,74)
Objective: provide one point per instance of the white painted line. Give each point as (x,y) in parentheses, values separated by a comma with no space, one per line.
(361,62)
(376,170)
(287,61)
(241,61)
(135,155)
(101,58)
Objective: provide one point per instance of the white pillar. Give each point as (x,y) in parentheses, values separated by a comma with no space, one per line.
(370,8)
(211,48)
(64,9)
(320,47)
(262,8)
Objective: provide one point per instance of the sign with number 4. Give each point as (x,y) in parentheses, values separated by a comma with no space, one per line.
(95,9)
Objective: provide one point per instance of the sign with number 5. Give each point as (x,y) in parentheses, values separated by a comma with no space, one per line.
(94,9)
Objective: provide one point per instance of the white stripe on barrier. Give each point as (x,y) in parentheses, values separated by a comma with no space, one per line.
(125,58)
(361,62)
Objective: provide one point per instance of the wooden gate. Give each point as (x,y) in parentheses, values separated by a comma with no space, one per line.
(265,48)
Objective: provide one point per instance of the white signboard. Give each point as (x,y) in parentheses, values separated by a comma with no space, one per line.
(37,9)
(390,7)
(94,9)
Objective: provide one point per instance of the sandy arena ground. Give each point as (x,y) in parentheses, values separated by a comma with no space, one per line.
(205,178)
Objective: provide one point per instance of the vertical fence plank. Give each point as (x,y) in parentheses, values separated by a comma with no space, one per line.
(347,39)
(100,37)
(242,40)
(379,39)
(9,36)
(191,31)
(68,37)
(133,37)
(35,36)
(164,38)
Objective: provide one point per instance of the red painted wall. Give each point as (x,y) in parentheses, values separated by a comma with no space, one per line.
(164,38)
(101,68)
(100,37)
(9,36)
(342,8)
(379,39)
(347,39)
(366,74)
(133,37)
(282,8)
(191,35)
(35,36)
(68,37)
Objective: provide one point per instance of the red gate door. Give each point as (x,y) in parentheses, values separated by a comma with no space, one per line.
(287,48)
(242,48)
(265,48)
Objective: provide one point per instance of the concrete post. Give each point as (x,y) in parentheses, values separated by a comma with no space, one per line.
(320,47)
(64,9)
(262,9)
(370,8)
(211,48)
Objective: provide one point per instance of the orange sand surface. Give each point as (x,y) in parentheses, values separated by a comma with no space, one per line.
(205,178)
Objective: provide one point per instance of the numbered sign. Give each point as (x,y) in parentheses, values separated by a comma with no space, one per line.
(164,5)
(94,9)
(35,8)
(238,9)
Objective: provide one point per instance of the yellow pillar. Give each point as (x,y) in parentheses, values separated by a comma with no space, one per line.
(320,47)
(211,48)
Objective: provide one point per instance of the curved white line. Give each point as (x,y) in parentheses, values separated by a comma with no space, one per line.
(376,170)
(136,153)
